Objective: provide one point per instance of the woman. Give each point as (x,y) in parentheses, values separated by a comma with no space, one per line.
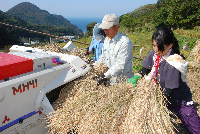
(168,68)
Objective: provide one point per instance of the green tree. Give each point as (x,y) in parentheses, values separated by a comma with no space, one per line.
(6,38)
(138,18)
(178,13)
(89,28)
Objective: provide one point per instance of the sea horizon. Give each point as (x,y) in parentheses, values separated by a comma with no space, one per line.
(82,22)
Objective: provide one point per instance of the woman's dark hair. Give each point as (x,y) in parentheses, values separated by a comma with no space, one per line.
(164,36)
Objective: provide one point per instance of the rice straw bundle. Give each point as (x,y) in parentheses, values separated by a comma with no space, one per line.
(100,69)
(119,108)
(147,113)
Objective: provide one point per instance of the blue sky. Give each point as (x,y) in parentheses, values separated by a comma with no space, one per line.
(81,8)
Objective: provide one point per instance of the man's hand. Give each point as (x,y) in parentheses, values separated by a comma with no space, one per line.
(101,79)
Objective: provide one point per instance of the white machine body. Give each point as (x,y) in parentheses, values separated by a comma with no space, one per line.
(23,100)
(69,46)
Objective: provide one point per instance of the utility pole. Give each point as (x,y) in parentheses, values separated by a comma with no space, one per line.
(50,40)
(29,41)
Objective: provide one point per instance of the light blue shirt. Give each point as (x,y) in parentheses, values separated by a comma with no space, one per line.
(97,45)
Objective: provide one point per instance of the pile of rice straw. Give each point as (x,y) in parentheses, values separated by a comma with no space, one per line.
(55,47)
(84,107)
(77,52)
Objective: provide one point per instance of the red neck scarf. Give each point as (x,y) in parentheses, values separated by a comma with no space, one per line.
(157,65)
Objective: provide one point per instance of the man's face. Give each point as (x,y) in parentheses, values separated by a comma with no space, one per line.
(112,31)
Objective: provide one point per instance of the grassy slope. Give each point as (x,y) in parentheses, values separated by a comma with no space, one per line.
(143,39)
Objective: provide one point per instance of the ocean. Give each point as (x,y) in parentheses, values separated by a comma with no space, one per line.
(83,22)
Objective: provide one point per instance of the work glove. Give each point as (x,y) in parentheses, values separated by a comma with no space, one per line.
(133,80)
(101,79)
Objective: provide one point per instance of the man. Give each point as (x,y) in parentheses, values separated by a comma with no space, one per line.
(116,53)
(97,42)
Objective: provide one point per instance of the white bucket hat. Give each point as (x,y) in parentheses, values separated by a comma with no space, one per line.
(108,21)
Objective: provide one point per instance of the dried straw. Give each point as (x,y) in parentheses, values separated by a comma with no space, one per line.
(77,52)
(119,108)
(55,47)
(147,112)
(100,69)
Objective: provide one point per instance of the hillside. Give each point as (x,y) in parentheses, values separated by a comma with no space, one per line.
(9,36)
(30,16)
(34,15)
(174,14)
(142,10)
